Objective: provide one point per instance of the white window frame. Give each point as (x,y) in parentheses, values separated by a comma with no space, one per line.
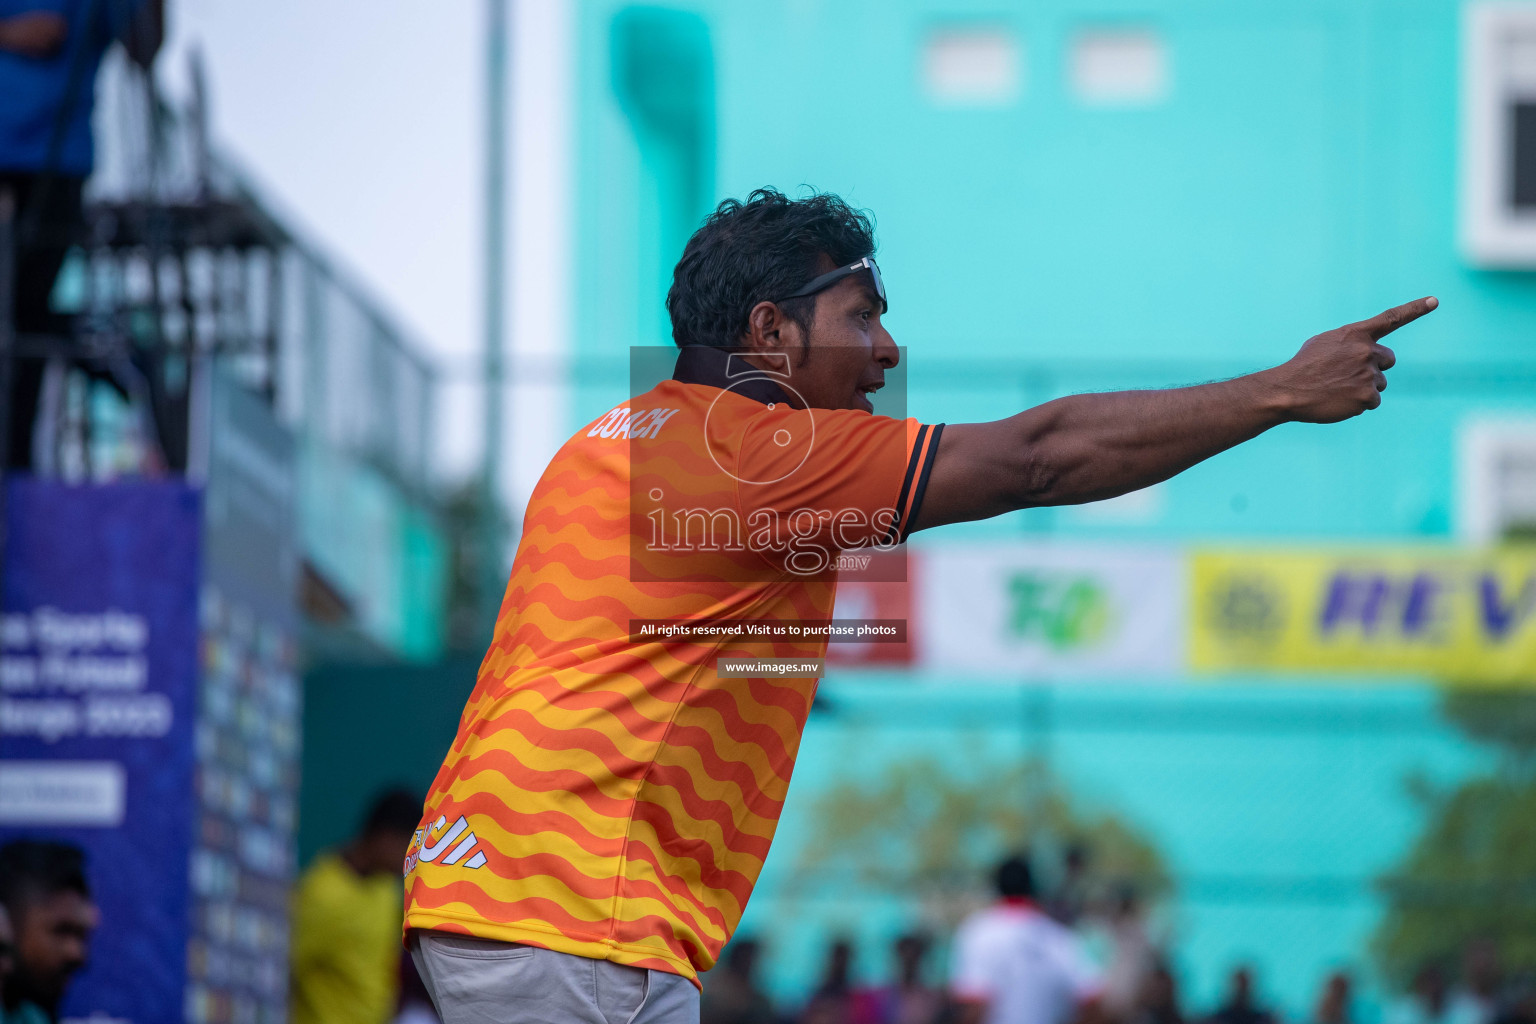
(1493,235)
(998,47)
(1119,92)
(1484,443)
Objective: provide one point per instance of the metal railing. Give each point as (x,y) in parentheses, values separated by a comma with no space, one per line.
(181,264)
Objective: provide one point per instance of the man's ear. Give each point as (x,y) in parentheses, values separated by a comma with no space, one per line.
(769,330)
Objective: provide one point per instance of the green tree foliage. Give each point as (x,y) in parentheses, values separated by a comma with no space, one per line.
(926,831)
(1505,720)
(1472,873)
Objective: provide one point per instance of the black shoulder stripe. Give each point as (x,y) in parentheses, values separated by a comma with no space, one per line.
(922,483)
(906,484)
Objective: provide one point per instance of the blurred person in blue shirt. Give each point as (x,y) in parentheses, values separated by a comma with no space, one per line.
(50,51)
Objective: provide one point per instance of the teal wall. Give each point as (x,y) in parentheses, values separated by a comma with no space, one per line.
(357,742)
(382,548)
(1300,174)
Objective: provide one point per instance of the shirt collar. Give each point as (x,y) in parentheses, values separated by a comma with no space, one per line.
(726,369)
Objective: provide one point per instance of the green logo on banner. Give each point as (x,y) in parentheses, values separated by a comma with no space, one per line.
(1063,612)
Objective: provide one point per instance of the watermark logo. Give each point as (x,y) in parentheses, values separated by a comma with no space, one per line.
(795,432)
(805,541)
(756,477)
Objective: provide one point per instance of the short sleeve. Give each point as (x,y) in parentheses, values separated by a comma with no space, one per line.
(974,968)
(850,478)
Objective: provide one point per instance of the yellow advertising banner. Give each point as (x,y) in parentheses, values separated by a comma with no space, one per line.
(1461,617)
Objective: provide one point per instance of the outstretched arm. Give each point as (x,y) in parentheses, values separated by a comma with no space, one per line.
(1090,447)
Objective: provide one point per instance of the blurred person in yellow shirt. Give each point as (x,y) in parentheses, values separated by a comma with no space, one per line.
(347,915)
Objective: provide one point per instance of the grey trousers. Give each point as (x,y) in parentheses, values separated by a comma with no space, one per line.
(478,981)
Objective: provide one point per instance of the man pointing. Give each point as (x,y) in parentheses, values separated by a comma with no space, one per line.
(595,831)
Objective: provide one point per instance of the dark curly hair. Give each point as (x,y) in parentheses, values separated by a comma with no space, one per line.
(1014,877)
(755,251)
(35,869)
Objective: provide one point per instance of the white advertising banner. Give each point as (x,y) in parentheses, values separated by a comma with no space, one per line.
(1012,612)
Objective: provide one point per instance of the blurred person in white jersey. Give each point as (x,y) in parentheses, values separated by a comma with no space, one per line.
(1015,964)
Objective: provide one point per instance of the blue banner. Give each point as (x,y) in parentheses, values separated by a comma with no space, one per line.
(98,693)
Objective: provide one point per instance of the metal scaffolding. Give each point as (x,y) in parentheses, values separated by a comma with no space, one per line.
(180,264)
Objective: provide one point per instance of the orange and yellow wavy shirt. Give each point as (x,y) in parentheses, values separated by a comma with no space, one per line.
(608,794)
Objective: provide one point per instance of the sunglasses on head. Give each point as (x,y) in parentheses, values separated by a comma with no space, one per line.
(827,280)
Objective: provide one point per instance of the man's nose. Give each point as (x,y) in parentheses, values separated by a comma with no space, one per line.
(887,354)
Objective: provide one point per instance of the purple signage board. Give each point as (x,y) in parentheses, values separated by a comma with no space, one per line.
(99,637)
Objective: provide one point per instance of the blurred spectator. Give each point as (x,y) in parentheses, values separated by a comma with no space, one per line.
(1521,1008)
(50,51)
(1427,1003)
(347,919)
(1014,964)
(1333,1006)
(1159,1000)
(1070,901)
(832,1002)
(45,894)
(1241,1007)
(1476,1000)
(1131,956)
(907,1000)
(731,995)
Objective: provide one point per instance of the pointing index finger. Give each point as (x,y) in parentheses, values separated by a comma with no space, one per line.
(1383,324)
